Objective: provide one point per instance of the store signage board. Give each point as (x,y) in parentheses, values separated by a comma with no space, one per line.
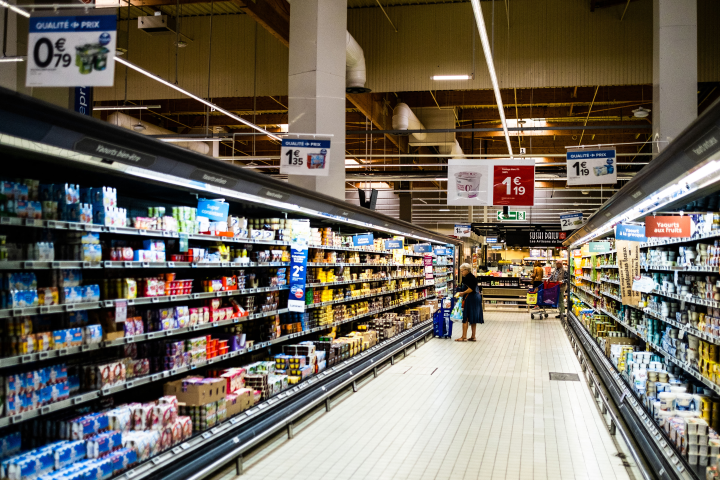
(536,238)
(668,226)
(491,182)
(512,216)
(632,233)
(428,264)
(628,261)
(363,240)
(497,247)
(571,221)
(298,265)
(462,229)
(393,244)
(70,50)
(591,167)
(599,247)
(422,248)
(490,239)
(215,210)
(441,251)
(305,157)
(83,100)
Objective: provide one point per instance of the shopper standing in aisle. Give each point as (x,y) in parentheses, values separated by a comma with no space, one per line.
(472,303)
(537,275)
(560,275)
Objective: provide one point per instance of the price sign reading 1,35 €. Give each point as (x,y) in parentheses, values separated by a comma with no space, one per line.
(591,167)
(305,157)
(514,185)
(71,50)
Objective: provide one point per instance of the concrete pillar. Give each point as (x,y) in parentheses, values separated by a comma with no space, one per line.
(316,84)
(674,68)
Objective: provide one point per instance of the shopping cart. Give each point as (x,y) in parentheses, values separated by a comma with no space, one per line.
(442,325)
(548,296)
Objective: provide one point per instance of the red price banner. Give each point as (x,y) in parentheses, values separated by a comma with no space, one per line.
(668,226)
(514,185)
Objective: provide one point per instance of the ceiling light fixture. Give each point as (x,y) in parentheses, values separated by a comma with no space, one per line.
(641,112)
(15,9)
(195,97)
(443,209)
(11,59)
(585,192)
(491,69)
(139,127)
(451,77)
(128,107)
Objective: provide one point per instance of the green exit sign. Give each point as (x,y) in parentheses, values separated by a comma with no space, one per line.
(512,216)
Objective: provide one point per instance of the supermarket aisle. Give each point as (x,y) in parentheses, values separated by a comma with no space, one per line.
(484,410)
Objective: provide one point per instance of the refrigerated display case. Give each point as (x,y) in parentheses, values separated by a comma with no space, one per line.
(131,308)
(647,310)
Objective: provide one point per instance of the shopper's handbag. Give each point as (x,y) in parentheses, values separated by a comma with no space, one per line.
(457,313)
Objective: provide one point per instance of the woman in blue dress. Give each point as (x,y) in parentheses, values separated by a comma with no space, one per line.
(472,302)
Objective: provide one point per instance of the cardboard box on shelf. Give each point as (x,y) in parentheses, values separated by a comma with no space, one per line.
(197,391)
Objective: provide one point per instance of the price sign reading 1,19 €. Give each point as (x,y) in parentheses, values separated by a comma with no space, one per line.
(71,50)
(305,157)
(591,167)
(514,185)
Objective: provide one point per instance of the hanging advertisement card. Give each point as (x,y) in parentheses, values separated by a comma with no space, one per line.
(633,233)
(591,167)
(363,240)
(393,244)
(628,260)
(305,157)
(298,265)
(491,182)
(571,221)
(215,210)
(462,229)
(422,248)
(428,263)
(668,226)
(599,247)
(75,49)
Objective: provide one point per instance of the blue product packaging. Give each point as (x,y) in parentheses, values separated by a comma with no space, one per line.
(69,453)
(10,445)
(34,466)
(123,459)
(72,295)
(59,392)
(78,318)
(93,334)
(100,469)
(90,293)
(57,373)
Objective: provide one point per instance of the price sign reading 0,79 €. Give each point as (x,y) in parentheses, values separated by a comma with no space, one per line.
(71,50)
(305,157)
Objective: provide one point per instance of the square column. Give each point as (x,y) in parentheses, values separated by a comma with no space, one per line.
(316,84)
(674,68)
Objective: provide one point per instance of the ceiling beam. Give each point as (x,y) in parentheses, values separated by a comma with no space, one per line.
(373,111)
(273,15)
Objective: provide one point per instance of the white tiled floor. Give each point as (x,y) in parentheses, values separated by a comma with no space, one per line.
(484,410)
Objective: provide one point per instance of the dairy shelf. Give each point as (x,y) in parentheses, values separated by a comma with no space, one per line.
(62,264)
(680,268)
(361,280)
(363,297)
(203,440)
(161,376)
(675,241)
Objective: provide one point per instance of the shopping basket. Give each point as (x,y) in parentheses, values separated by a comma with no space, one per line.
(442,325)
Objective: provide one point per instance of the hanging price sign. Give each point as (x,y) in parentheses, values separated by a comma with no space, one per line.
(305,157)
(591,167)
(76,49)
(491,182)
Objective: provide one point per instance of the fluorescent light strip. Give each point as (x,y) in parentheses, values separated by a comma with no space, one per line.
(11,59)
(194,139)
(15,9)
(491,68)
(451,77)
(128,107)
(195,97)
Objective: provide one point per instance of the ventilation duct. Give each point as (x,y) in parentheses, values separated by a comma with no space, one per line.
(451,149)
(157,24)
(404,119)
(127,122)
(354,66)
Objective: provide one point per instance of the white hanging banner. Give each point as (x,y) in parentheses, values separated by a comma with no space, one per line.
(305,157)
(491,182)
(591,167)
(71,50)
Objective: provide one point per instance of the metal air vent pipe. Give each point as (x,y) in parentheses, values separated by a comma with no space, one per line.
(404,119)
